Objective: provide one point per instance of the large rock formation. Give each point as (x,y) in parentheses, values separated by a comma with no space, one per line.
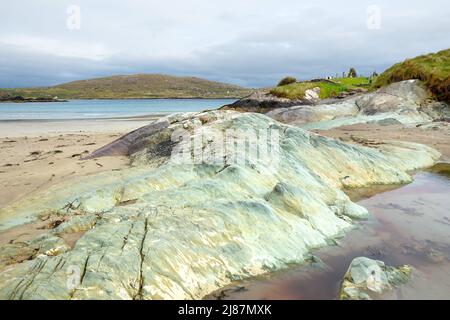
(406,102)
(172,227)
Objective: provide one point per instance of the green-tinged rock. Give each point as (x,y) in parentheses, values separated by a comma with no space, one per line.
(43,245)
(169,229)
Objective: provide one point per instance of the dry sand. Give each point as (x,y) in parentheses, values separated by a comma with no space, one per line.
(36,154)
(438,139)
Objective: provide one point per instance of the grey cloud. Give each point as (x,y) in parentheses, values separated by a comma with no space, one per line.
(252,43)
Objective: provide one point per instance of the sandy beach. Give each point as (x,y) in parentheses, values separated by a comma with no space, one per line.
(37,154)
(373,133)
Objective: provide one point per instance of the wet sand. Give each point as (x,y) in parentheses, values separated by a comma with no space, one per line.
(37,154)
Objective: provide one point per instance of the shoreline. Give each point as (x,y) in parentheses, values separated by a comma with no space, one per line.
(102,99)
(48,128)
(37,154)
(120,118)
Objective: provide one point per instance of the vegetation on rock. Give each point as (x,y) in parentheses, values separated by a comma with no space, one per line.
(433,69)
(328,89)
(286,81)
(406,102)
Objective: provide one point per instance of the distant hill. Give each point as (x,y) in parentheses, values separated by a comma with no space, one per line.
(433,69)
(134,86)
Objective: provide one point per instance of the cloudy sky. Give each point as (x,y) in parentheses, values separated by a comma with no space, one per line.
(248,42)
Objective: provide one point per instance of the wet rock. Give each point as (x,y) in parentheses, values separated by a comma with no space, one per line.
(367,279)
(436,256)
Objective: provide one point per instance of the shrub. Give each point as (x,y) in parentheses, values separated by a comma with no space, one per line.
(285,81)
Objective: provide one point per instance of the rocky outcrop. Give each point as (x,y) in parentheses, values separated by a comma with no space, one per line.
(173,226)
(312,94)
(407,102)
(263,102)
(20,99)
(367,279)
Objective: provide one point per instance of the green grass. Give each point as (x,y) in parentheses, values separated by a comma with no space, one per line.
(297,90)
(354,82)
(433,69)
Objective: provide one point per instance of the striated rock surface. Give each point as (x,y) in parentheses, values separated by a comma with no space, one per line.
(367,278)
(407,102)
(168,228)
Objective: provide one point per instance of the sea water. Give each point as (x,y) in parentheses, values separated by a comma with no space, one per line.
(104,109)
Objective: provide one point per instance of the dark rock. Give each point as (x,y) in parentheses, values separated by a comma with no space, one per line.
(19,99)
(263,102)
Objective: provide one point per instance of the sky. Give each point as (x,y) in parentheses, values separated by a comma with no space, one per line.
(252,43)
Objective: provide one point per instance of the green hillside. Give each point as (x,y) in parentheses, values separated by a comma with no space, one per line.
(134,86)
(433,69)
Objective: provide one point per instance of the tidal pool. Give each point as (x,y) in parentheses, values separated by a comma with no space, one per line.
(408,225)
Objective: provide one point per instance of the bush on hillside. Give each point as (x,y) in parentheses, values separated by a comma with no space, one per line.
(285,81)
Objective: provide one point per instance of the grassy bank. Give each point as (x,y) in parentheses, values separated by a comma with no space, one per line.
(328,89)
(433,69)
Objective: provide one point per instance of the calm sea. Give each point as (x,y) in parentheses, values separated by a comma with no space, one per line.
(100,109)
